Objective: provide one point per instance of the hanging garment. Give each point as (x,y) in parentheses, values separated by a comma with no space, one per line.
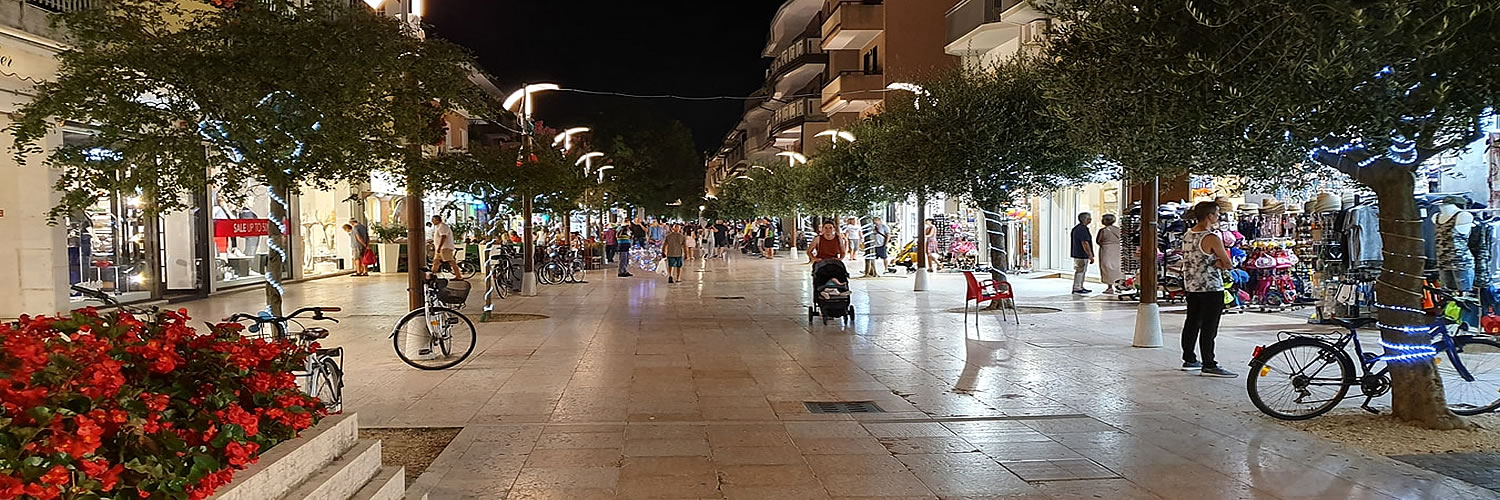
(1453,246)
(1364,244)
(1481,240)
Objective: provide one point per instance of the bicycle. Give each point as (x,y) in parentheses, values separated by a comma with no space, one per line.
(435,345)
(1471,375)
(504,275)
(322,376)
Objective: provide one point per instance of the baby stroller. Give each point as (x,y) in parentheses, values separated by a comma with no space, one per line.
(907,258)
(830,292)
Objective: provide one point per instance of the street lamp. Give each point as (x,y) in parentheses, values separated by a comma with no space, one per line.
(565,138)
(919,282)
(587,160)
(601,172)
(521,103)
(913,88)
(793,158)
(836,134)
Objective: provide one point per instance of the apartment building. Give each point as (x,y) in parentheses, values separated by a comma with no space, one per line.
(984,32)
(830,63)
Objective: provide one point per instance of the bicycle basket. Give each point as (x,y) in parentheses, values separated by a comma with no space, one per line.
(455,292)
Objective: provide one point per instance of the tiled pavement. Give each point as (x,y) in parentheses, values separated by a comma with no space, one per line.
(639,389)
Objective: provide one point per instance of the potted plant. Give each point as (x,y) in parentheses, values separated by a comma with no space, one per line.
(388,246)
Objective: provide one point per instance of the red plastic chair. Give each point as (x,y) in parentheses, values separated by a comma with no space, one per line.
(981,291)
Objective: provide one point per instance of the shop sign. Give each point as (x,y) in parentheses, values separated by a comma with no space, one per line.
(241,228)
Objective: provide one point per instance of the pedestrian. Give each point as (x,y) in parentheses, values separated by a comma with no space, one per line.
(851,237)
(658,232)
(674,248)
(638,232)
(359,239)
(1109,253)
(1082,252)
(881,238)
(767,238)
(827,245)
(691,241)
(608,237)
(443,246)
(929,235)
(721,238)
(1203,264)
(622,244)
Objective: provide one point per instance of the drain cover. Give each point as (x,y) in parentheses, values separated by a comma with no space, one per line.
(730,297)
(843,407)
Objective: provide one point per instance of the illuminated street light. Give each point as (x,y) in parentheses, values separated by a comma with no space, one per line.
(565,138)
(374,4)
(518,96)
(760,167)
(746,177)
(913,88)
(587,161)
(601,172)
(793,158)
(836,134)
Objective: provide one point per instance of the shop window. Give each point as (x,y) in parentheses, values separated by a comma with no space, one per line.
(240,228)
(107,243)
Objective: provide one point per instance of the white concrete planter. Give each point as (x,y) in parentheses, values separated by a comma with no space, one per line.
(327,462)
(390,256)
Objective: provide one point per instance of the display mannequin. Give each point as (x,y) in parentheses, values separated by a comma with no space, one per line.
(1455,261)
(252,243)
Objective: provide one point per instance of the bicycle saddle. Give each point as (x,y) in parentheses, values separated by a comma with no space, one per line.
(1354,323)
(314,333)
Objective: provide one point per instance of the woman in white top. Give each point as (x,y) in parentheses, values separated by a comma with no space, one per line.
(691,243)
(851,237)
(1204,260)
(1109,253)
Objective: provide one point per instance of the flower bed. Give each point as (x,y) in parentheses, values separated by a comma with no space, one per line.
(116,406)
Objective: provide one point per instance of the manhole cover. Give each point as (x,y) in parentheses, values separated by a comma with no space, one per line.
(1477,468)
(730,297)
(1057,344)
(1069,469)
(512,317)
(843,407)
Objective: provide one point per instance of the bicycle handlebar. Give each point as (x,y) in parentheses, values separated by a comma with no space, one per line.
(317,315)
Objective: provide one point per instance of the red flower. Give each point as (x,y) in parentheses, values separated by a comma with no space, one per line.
(240,454)
(57,475)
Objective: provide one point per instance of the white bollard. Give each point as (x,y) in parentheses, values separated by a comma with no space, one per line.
(528,284)
(920,283)
(1147,326)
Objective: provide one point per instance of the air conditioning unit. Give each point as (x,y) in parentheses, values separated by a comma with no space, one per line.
(1035,33)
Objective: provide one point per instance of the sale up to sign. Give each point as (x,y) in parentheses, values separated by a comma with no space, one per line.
(241,228)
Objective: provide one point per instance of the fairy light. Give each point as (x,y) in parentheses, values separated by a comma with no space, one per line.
(271,278)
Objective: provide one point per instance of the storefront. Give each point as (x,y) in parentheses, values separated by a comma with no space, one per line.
(1054,216)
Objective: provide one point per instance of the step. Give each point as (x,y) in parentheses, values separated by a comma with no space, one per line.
(342,478)
(388,484)
(289,464)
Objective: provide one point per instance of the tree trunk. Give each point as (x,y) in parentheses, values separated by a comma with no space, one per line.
(1416,388)
(276,240)
(416,243)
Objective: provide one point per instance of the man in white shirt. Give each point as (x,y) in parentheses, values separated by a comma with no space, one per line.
(443,245)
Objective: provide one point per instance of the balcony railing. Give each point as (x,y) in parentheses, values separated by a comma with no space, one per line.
(851,24)
(803,51)
(62,6)
(970,14)
(807,109)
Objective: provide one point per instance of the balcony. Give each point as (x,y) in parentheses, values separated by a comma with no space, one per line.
(787,122)
(61,6)
(852,92)
(853,24)
(979,26)
(797,58)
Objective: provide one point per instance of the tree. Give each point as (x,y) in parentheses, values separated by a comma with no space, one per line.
(656,163)
(265,93)
(1373,88)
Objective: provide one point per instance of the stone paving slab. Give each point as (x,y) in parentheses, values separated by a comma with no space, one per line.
(633,388)
(1482,469)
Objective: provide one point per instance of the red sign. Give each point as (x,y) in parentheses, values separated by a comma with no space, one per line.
(240,228)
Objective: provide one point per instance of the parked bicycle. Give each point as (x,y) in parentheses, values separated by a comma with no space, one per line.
(504,275)
(323,374)
(436,336)
(1304,375)
(558,264)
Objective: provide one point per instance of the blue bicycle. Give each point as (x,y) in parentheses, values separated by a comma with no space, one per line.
(1304,375)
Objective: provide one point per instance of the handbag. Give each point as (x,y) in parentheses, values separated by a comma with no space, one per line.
(368,258)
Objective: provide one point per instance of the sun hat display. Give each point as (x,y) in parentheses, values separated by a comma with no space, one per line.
(1248,209)
(1270,206)
(1327,202)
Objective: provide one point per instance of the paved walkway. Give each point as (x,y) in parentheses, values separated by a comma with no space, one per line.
(639,389)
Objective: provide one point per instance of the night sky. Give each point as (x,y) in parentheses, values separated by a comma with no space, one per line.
(697,48)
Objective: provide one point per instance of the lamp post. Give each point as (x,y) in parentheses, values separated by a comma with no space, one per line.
(834,135)
(521,103)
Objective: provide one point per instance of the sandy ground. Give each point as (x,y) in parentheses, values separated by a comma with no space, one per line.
(1384,435)
(414,448)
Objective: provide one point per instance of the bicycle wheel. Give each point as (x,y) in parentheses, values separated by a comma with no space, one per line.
(554,273)
(1299,378)
(1481,359)
(542,276)
(448,342)
(328,385)
(498,283)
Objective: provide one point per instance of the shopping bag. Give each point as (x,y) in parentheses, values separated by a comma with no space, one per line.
(368,258)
